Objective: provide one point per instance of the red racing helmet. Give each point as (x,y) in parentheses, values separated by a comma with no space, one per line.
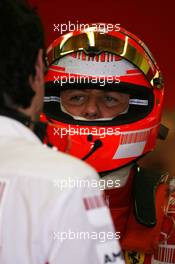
(109,60)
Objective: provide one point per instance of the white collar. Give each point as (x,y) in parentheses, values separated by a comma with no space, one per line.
(12,128)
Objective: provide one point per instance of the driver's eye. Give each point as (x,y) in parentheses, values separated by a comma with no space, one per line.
(77,99)
(110,98)
(110,101)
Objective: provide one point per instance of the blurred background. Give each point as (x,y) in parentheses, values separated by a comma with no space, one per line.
(153,21)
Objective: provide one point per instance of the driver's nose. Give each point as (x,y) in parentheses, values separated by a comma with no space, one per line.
(91,110)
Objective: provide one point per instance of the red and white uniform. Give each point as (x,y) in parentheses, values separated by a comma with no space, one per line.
(40,217)
(140,244)
(126,137)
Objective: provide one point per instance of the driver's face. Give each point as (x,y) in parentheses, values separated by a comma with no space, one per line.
(93,104)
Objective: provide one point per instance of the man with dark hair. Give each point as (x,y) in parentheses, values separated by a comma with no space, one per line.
(22,38)
(49,211)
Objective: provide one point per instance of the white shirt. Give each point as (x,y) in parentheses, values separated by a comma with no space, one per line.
(49,210)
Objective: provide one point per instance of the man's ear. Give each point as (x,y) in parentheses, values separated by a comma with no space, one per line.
(36,80)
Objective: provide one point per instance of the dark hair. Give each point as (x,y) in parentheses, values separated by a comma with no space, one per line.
(21,37)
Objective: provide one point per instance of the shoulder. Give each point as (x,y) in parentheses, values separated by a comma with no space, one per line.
(37,160)
(41,179)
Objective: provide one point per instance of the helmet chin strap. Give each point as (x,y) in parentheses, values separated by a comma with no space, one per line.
(80,118)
